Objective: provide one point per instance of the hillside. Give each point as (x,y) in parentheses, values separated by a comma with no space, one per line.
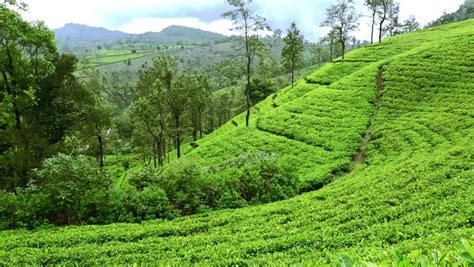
(71,32)
(386,137)
(177,35)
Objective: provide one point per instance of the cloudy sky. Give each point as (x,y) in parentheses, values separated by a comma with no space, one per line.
(138,16)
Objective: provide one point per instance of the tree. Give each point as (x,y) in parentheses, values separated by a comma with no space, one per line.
(261,88)
(199,101)
(248,24)
(393,26)
(292,53)
(177,101)
(98,119)
(342,19)
(19,4)
(388,12)
(26,58)
(411,24)
(149,111)
(150,106)
(374,6)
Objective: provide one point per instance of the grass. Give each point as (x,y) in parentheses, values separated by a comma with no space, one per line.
(410,200)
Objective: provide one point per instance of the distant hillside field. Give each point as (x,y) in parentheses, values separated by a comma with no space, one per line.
(382,144)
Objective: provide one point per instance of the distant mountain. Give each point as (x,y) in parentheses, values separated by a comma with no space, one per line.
(177,35)
(465,11)
(78,38)
(72,31)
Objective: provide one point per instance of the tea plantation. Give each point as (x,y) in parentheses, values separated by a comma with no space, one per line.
(387,139)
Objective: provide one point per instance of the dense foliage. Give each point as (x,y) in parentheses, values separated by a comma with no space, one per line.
(385,135)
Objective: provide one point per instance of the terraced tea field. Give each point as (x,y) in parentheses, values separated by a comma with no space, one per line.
(388,135)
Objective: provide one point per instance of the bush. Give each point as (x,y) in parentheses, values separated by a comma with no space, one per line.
(183,183)
(129,205)
(8,203)
(76,189)
(262,178)
(153,203)
(144,178)
(122,204)
(252,178)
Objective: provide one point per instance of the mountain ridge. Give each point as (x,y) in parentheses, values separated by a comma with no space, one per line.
(86,32)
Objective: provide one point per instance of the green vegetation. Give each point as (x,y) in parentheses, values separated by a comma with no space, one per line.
(391,127)
(367,160)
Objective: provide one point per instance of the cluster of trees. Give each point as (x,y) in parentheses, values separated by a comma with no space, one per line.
(385,15)
(164,99)
(41,100)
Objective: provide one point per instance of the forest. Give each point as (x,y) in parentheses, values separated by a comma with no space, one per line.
(168,145)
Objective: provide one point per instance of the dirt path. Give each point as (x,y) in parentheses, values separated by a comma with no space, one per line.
(360,156)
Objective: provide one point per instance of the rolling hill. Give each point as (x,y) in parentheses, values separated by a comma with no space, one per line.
(81,39)
(386,137)
(73,32)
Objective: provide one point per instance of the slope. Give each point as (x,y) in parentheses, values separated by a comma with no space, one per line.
(405,107)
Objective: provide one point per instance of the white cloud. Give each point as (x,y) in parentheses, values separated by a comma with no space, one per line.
(139,16)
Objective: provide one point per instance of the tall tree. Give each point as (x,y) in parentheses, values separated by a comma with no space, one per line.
(373,6)
(342,19)
(248,24)
(99,112)
(27,53)
(148,115)
(388,13)
(152,87)
(292,53)
(199,102)
(177,102)
(393,26)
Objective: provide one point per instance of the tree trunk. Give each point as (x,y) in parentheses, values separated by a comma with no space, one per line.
(160,152)
(195,129)
(154,151)
(381,23)
(330,51)
(178,138)
(162,143)
(200,124)
(247,117)
(249,62)
(293,71)
(343,46)
(101,146)
(373,26)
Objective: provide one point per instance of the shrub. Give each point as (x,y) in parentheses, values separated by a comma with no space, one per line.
(262,177)
(152,203)
(144,178)
(183,183)
(7,210)
(122,204)
(76,189)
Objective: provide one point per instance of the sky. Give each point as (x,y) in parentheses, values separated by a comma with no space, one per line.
(138,16)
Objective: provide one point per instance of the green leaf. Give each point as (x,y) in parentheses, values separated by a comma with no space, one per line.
(466,256)
(345,261)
